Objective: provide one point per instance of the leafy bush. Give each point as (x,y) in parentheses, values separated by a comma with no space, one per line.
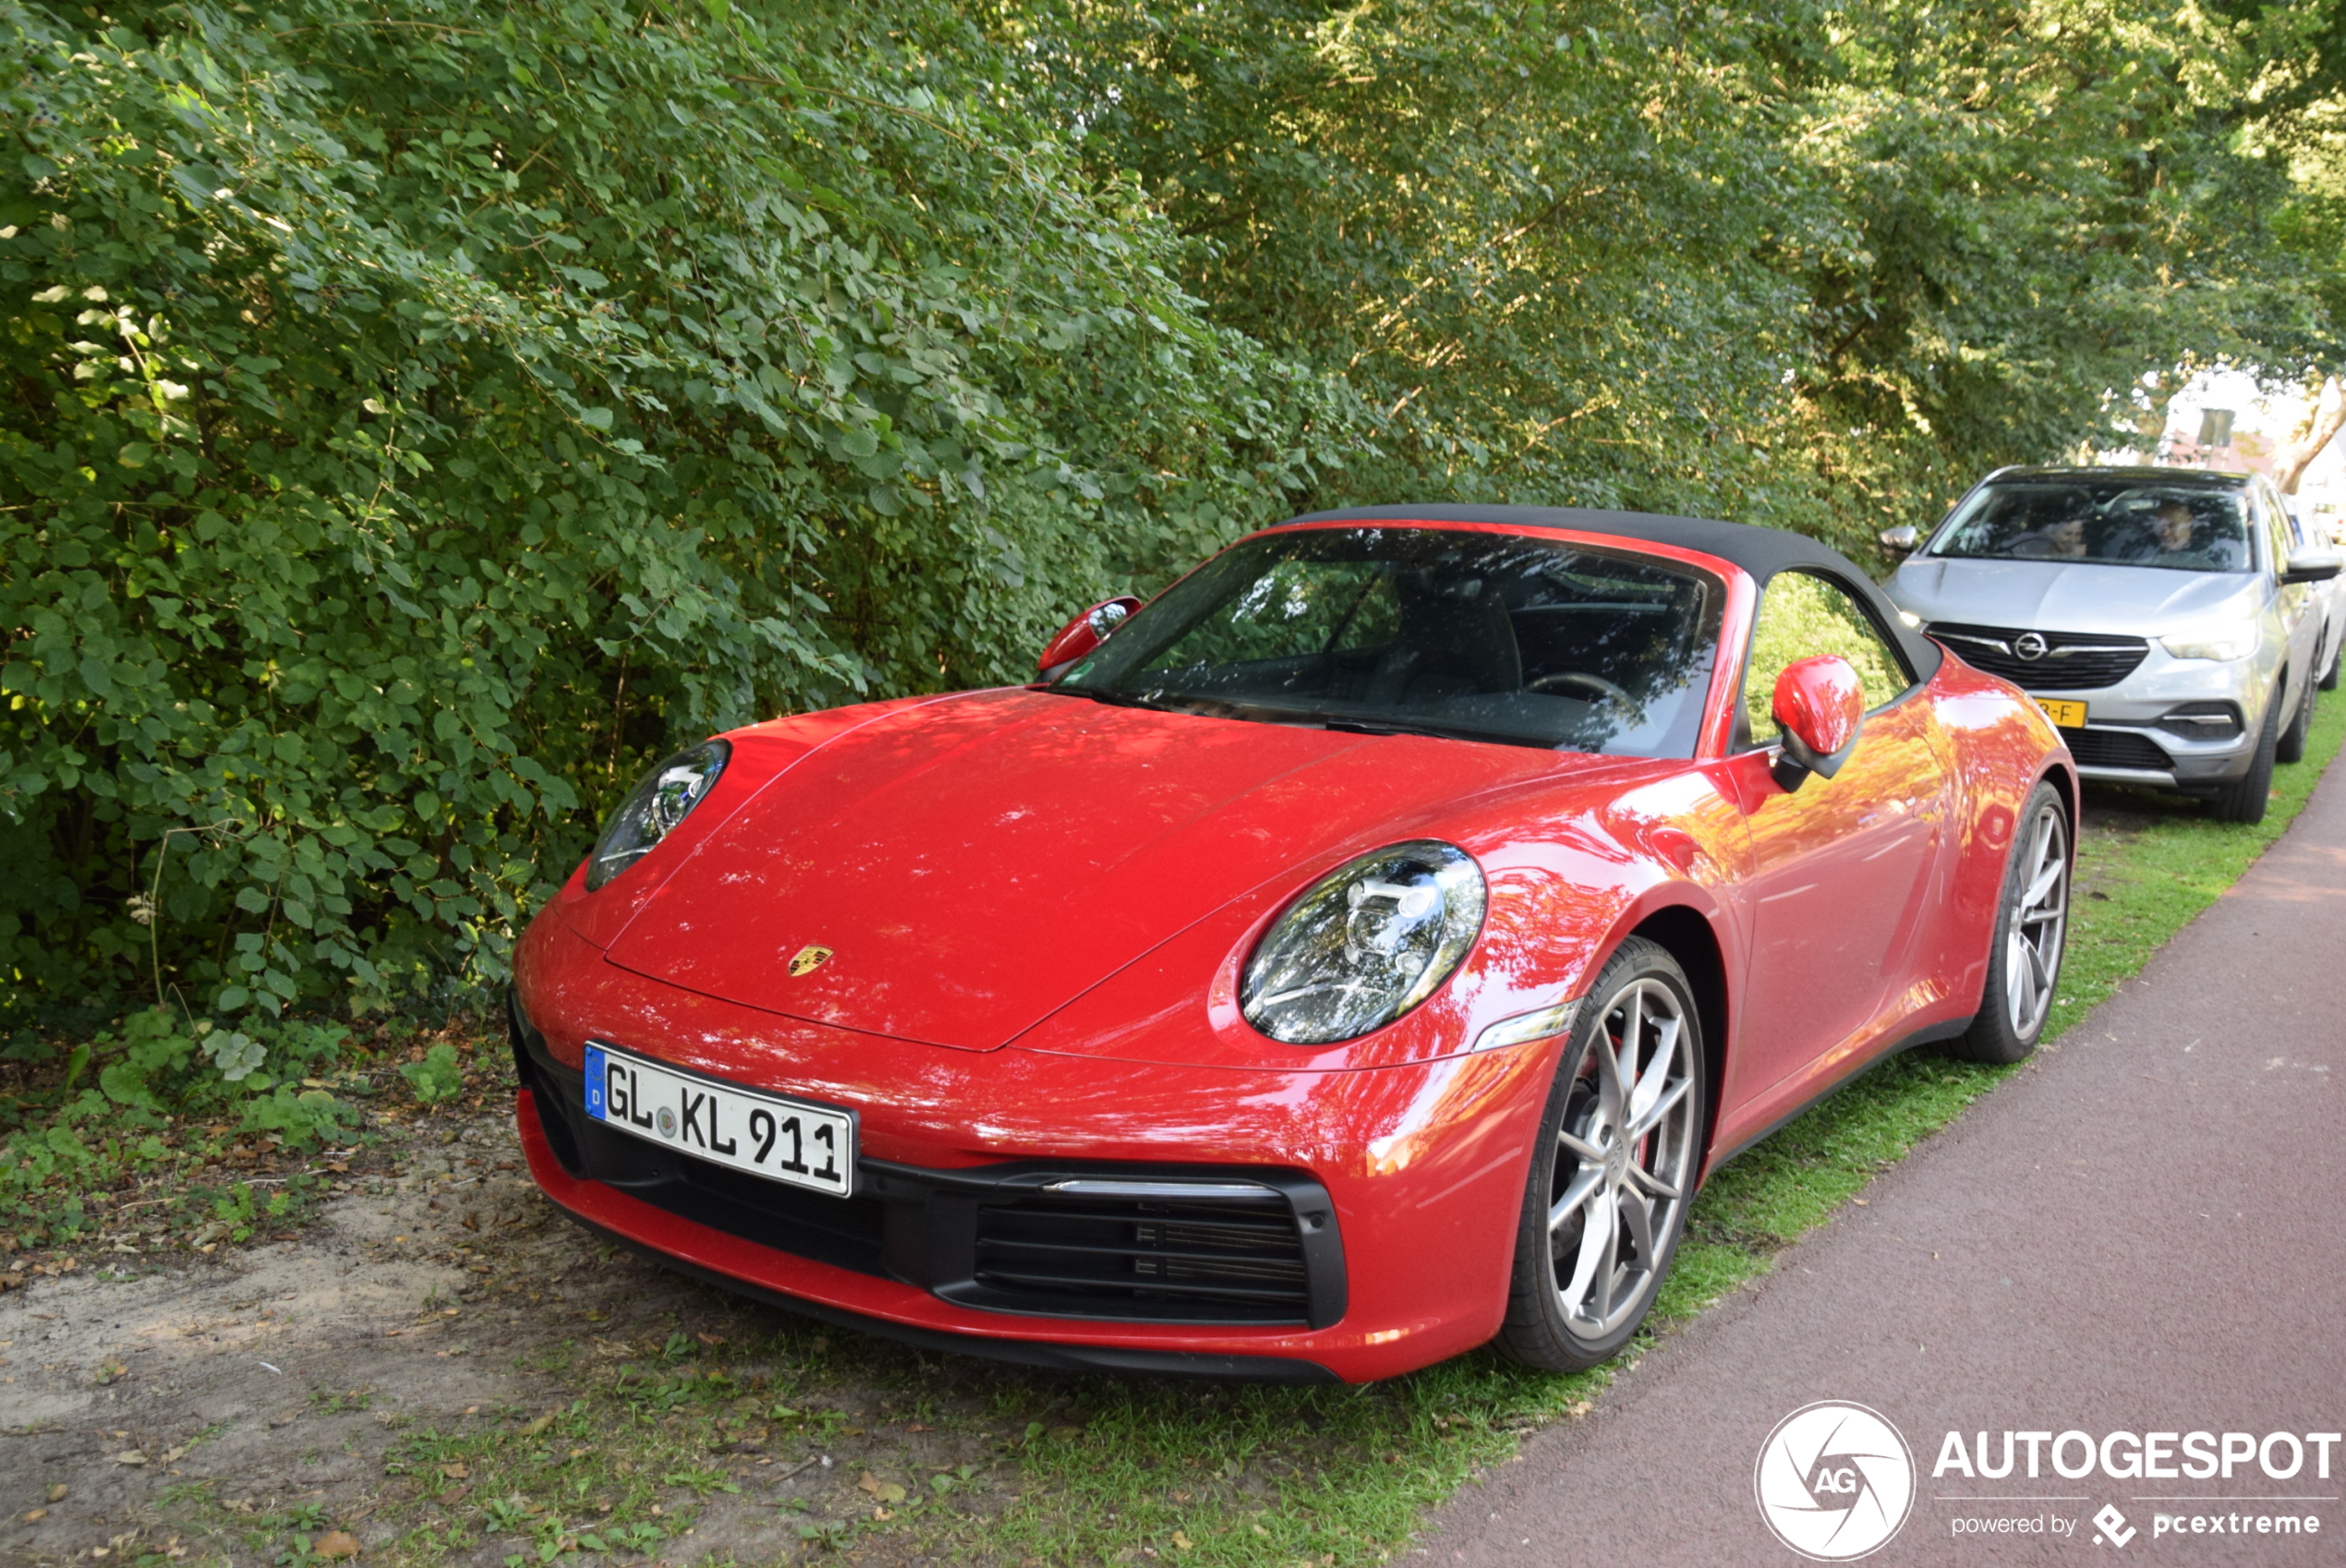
(146,1097)
(437,1077)
(156,1066)
(417,424)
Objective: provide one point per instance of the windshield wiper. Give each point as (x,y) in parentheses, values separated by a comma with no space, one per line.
(1362,726)
(1303,719)
(1113,699)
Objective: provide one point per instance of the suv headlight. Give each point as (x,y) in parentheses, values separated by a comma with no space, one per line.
(659,803)
(1367,942)
(2221,647)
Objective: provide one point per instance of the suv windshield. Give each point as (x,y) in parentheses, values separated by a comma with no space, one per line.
(1481,636)
(2177,527)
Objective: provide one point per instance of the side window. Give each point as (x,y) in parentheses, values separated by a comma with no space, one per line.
(1801,616)
(2277,543)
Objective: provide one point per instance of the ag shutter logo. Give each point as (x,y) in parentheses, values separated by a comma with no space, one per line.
(1834,1481)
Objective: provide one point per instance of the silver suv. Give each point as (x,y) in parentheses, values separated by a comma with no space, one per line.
(2165,618)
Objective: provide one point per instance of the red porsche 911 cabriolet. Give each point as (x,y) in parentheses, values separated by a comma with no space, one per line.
(1360,953)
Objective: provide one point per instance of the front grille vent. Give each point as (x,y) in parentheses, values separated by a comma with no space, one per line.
(2072,661)
(2117,748)
(1220,1261)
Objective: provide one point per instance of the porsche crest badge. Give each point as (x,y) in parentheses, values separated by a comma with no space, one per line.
(807,959)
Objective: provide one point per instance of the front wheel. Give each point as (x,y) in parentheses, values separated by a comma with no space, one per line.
(2243,799)
(2032,931)
(1613,1168)
(2328,681)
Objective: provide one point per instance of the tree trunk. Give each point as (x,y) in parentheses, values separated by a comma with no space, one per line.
(2330,413)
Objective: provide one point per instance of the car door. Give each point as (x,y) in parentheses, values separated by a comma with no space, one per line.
(2326,601)
(2295,603)
(1841,868)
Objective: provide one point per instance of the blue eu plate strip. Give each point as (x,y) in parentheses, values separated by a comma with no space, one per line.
(595,1082)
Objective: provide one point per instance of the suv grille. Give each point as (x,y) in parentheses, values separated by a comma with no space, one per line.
(2072,662)
(1220,1260)
(2116,748)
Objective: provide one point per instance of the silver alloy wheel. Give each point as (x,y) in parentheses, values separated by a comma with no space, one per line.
(2039,917)
(1625,1160)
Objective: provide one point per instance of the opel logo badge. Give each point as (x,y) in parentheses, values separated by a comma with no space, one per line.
(2030,645)
(807,959)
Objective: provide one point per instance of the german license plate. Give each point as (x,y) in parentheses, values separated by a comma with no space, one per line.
(2067,715)
(742,1129)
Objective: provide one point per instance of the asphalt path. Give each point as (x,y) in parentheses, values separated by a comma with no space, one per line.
(2144,1232)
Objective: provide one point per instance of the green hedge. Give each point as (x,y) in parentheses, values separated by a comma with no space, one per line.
(417,421)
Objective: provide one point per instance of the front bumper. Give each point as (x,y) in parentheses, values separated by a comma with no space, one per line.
(836,1295)
(1386,1246)
(2124,742)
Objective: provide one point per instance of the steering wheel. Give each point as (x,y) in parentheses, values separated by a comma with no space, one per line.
(1603,688)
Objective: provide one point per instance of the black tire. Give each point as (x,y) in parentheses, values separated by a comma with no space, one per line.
(2330,671)
(2243,799)
(1636,1188)
(2032,932)
(2291,747)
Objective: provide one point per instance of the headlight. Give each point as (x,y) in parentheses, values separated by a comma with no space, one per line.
(2221,647)
(652,813)
(1368,942)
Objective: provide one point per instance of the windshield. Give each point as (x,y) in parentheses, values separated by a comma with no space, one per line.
(1481,636)
(2176,526)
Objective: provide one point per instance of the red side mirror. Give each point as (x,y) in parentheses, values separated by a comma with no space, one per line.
(1821,706)
(1083,633)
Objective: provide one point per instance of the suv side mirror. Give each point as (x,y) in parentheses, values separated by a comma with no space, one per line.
(1083,633)
(1902,538)
(1821,704)
(2312,564)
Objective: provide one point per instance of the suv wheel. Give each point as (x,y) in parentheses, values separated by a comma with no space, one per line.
(2291,747)
(2243,799)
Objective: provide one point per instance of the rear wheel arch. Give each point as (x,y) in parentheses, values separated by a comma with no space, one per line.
(1687,935)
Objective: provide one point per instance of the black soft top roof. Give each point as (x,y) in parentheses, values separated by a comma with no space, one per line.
(1762,552)
(2212,478)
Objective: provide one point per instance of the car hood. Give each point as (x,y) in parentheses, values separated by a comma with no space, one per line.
(973,864)
(2060,596)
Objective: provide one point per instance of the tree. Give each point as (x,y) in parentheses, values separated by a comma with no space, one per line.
(419,422)
(1816,265)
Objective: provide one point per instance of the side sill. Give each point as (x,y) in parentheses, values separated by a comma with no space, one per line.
(1930,1034)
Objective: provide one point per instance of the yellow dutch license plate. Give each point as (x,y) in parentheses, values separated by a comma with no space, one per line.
(2067,715)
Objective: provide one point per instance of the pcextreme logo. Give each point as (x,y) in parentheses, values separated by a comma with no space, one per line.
(1834,1481)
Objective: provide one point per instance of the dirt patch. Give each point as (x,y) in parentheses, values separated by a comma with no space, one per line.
(443,1367)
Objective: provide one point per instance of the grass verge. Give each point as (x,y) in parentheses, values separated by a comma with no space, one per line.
(953,1459)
